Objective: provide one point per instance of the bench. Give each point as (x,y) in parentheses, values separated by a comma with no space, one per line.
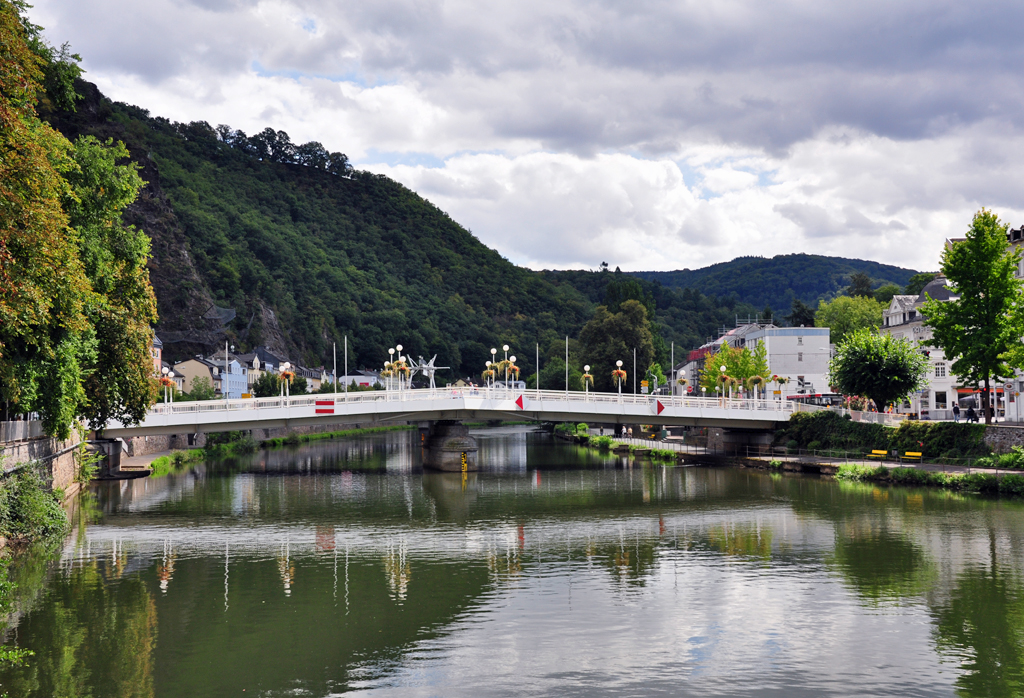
(912,455)
(878,454)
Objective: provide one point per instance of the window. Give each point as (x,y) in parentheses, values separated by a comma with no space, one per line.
(940,400)
(940,370)
(799,341)
(799,356)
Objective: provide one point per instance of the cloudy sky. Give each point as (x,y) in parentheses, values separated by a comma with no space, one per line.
(650,134)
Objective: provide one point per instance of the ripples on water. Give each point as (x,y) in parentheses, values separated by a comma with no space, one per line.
(342,568)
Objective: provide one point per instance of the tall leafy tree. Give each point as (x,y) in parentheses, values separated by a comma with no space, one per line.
(75,299)
(918,282)
(976,329)
(879,367)
(846,314)
(610,337)
(800,315)
(46,340)
(860,285)
(122,307)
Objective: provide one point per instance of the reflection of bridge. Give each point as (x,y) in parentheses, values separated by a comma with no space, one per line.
(428,405)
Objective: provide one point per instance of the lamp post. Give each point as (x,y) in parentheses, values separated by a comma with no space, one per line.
(488,375)
(391,365)
(586,382)
(504,348)
(513,368)
(398,348)
(286,376)
(618,377)
(170,374)
(163,381)
(722,369)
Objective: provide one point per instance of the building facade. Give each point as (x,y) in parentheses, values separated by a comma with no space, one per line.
(903,319)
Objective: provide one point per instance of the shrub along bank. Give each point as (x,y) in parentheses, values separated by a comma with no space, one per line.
(984,483)
(29,509)
(829,431)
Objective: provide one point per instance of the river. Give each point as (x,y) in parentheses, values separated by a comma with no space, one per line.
(342,568)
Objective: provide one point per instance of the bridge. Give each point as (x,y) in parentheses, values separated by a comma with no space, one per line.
(456,404)
(448,407)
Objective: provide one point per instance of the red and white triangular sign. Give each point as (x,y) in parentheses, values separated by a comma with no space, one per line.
(661,407)
(519,402)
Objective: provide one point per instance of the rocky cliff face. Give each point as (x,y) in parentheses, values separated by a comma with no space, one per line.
(189,323)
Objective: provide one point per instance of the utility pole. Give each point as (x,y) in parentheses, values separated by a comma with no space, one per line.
(346,365)
(538,370)
(672,372)
(634,370)
(334,350)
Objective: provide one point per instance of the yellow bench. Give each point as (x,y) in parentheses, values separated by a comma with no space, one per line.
(878,454)
(912,455)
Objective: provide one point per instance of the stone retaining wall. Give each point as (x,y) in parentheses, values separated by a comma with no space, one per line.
(1001,438)
(57,457)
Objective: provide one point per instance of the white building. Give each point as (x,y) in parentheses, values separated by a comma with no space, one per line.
(800,354)
(903,319)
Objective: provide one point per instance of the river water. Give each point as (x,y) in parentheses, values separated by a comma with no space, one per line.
(342,568)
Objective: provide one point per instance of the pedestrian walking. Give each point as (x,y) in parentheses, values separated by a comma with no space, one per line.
(956,412)
(972,416)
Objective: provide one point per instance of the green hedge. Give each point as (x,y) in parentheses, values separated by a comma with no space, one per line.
(830,431)
(985,483)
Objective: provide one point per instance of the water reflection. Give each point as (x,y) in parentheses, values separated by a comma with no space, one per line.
(340,567)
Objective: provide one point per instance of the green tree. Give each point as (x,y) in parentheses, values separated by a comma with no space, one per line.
(800,315)
(266,385)
(884,294)
(847,314)
(122,308)
(611,337)
(655,376)
(741,364)
(976,329)
(860,285)
(298,386)
(879,367)
(327,388)
(202,389)
(918,282)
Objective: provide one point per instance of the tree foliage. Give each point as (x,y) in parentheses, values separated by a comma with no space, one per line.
(801,315)
(202,389)
(918,282)
(884,294)
(860,285)
(266,385)
(741,364)
(611,337)
(779,280)
(976,329)
(847,314)
(879,367)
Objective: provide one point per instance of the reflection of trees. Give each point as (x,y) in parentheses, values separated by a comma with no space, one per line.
(630,561)
(881,564)
(92,638)
(746,540)
(982,627)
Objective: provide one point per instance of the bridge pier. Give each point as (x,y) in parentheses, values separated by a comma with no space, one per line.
(449,447)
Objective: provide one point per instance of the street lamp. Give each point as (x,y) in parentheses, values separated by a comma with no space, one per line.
(286,377)
(488,375)
(171,388)
(401,359)
(722,368)
(619,375)
(164,380)
(512,367)
(587,379)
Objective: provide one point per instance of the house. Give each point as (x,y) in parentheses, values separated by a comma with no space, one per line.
(903,319)
(156,353)
(359,378)
(179,380)
(198,367)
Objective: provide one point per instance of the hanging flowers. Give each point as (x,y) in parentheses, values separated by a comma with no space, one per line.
(755,381)
(514,370)
(167,382)
(682,381)
(287,375)
(619,375)
(487,375)
(586,379)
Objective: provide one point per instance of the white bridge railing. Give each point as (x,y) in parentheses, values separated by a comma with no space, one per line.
(548,398)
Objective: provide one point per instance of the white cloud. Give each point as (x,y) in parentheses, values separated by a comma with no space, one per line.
(656,134)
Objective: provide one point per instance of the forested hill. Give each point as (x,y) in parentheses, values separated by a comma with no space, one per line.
(777,281)
(258,241)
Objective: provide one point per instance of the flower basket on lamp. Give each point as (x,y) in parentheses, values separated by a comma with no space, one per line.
(166,382)
(619,375)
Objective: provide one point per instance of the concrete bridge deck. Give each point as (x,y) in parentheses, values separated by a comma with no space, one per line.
(459,404)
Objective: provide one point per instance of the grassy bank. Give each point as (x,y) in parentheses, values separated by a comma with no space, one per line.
(606,443)
(984,483)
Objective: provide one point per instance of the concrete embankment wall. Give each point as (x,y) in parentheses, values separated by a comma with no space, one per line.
(58,458)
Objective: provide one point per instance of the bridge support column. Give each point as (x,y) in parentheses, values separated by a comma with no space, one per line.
(449,447)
